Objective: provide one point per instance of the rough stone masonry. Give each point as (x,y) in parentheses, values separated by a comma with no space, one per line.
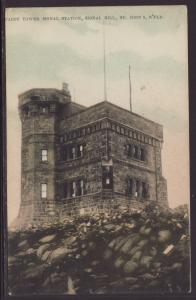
(78,160)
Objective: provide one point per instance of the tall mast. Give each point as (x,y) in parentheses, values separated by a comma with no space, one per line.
(104,65)
(130,99)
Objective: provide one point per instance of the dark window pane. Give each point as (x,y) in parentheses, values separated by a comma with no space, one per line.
(142,154)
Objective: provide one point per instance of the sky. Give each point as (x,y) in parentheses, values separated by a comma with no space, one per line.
(48,46)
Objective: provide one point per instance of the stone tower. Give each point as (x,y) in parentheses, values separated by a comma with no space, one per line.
(84,160)
(40,110)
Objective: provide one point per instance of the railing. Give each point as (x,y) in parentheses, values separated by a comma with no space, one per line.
(103,201)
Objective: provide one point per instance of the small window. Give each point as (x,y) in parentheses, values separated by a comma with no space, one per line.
(107,180)
(98,126)
(73,189)
(131,186)
(44,154)
(122,130)
(137,188)
(113,126)
(64,154)
(43,109)
(107,177)
(80,150)
(108,124)
(144,190)
(44,190)
(136,152)
(65,189)
(142,154)
(52,107)
(88,130)
(73,152)
(83,131)
(80,187)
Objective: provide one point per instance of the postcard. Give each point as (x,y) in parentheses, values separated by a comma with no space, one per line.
(97,150)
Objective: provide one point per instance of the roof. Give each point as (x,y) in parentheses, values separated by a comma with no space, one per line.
(117,113)
(44,94)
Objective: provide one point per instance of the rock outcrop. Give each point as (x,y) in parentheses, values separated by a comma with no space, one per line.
(146,251)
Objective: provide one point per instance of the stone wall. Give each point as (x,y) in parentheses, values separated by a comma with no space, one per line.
(106,109)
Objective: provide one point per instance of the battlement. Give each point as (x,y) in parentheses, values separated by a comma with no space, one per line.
(44,95)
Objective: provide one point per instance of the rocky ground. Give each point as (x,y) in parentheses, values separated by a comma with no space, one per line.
(102,254)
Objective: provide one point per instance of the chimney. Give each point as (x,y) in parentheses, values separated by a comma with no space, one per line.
(65,88)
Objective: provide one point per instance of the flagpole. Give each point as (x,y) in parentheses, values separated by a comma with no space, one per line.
(130,99)
(104,65)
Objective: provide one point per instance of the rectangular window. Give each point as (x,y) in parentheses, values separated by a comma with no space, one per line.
(122,130)
(98,126)
(88,130)
(73,152)
(80,190)
(64,154)
(52,107)
(107,180)
(43,109)
(142,154)
(137,188)
(73,189)
(130,187)
(65,190)
(80,150)
(44,190)
(144,190)
(113,126)
(107,177)
(44,155)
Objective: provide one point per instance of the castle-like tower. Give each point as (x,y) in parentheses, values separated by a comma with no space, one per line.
(80,160)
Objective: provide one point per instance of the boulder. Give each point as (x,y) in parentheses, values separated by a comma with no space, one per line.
(12,260)
(48,238)
(30,251)
(42,249)
(142,243)
(129,243)
(164,236)
(120,241)
(137,256)
(131,280)
(134,250)
(119,262)
(107,254)
(23,244)
(34,272)
(146,261)
(145,230)
(69,241)
(130,267)
(46,255)
(59,254)
(110,227)
(176,266)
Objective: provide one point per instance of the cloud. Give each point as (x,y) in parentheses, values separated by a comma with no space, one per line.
(43,54)
(125,36)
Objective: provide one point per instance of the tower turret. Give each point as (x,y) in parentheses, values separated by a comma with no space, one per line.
(40,111)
